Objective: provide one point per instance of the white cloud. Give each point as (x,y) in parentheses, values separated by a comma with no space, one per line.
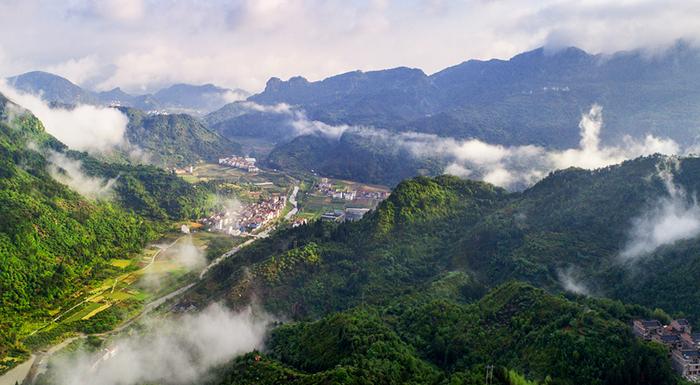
(478,152)
(670,219)
(234,96)
(298,123)
(70,172)
(303,126)
(590,155)
(241,43)
(506,166)
(84,127)
(523,165)
(175,351)
(120,10)
(281,108)
(570,280)
(188,255)
(78,71)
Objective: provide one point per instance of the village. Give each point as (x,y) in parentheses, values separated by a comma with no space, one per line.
(683,345)
(355,201)
(325,187)
(246,220)
(240,162)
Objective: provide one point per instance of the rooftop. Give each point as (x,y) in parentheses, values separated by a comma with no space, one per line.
(650,323)
(670,338)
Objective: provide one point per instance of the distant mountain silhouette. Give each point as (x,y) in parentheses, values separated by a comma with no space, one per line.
(536,97)
(185,98)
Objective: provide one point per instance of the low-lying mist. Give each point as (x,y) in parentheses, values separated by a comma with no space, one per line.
(70,172)
(570,279)
(178,350)
(184,253)
(188,255)
(672,218)
(96,130)
(505,166)
(83,127)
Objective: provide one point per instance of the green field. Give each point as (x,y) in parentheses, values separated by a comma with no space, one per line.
(120,263)
(122,293)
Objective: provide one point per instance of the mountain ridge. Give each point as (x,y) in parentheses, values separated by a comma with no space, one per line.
(534,98)
(180,97)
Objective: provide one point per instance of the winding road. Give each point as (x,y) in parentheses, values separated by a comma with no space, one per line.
(293,201)
(27,372)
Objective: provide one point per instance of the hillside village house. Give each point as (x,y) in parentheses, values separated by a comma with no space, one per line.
(646,328)
(678,336)
(687,364)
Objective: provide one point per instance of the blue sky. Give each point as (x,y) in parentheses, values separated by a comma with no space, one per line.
(141,45)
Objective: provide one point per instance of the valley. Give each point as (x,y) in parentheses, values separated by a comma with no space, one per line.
(138,284)
(310,247)
(353,193)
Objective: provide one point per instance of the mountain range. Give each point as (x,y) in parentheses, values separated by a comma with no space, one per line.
(178,98)
(534,98)
(448,279)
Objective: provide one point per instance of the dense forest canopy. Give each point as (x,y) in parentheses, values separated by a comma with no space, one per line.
(54,240)
(459,239)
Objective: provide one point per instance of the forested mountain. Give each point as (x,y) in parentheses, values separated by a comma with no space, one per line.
(458,239)
(536,97)
(176,139)
(179,98)
(352,157)
(238,120)
(574,220)
(430,338)
(52,239)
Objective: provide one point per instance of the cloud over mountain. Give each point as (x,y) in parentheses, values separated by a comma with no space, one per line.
(142,45)
(83,127)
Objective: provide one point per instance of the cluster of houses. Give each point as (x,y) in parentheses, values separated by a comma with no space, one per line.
(246,219)
(324,187)
(678,336)
(240,162)
(350,214)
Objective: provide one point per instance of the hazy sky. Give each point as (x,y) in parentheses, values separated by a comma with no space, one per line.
(143,44)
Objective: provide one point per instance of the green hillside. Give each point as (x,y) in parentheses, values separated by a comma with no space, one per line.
(53,240)
(176,139)
(572,219)
(460,239)
(429,339)
(352,157)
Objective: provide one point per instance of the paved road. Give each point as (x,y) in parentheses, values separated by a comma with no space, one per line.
(18,373)
(28,370)
(293,201)
(224,256)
